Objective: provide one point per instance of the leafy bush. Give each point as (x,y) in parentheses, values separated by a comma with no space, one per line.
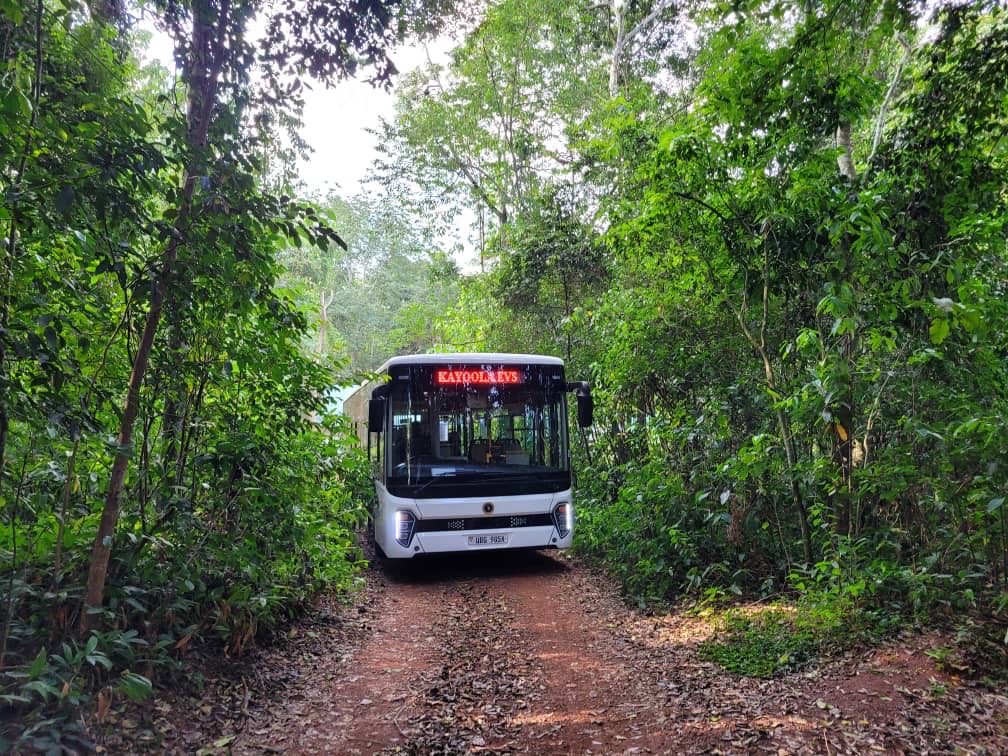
(651,536)
(233,571)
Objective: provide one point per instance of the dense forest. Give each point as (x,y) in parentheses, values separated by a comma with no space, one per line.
(771,234)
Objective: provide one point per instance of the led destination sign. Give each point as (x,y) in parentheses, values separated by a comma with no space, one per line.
(457,377)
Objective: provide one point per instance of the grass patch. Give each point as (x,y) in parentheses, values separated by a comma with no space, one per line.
(769,641)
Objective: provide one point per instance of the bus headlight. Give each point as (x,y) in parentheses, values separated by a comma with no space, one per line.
(405,523)
(563,517)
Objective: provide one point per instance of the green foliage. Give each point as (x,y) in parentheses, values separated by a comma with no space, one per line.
(483,130)
(766,641)
(382,293)
(49,691)
(782,266)
(242,490)
(839,347)
(981,644)
(765,645)
(646,538)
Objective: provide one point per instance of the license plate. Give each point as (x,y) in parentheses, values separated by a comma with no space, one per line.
(498,539)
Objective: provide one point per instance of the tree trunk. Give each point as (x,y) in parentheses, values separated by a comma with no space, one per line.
(617,54)
(845,160)
(783,422)
(843,414)
(625,38)
(324,303)
(207,52)
(9,251)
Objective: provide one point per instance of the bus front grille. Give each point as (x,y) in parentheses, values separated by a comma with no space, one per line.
(504,522)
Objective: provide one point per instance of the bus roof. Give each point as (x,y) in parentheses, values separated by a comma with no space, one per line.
(481,358)
(355,405)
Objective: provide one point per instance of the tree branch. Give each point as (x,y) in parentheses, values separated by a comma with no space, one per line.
(883,109)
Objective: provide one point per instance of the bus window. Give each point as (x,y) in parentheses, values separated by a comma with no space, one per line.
(443,431)
(376,447)
(449,437)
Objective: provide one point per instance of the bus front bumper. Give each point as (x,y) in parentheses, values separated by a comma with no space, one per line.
(482,540)
(441,542)
(407,527)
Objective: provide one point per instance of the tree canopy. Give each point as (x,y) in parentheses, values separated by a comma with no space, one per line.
(772,235)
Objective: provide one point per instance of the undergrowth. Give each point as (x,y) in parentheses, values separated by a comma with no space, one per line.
(775,639)
(227,577)
(667,536)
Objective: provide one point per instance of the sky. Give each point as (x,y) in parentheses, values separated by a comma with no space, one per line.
(336,123)
(336,119)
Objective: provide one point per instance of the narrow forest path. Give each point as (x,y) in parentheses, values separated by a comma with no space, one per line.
(530,653)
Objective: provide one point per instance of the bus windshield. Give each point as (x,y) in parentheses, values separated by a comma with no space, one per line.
(469,423)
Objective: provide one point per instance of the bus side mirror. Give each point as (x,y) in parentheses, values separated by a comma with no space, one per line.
(376,415)
(586,409)
(585,403)
(376,408)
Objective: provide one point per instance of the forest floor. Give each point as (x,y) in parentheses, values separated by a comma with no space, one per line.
(531,653)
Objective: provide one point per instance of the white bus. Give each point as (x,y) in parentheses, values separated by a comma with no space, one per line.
(469,452)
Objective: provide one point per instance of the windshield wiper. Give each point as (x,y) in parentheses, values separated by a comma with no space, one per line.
(497,477)
(436,478)
(477,476)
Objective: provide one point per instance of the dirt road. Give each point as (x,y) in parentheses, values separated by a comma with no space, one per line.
(531,653)
(528,653)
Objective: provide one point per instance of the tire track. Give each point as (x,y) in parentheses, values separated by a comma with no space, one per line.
(351,704)
(486,680)
(518,653)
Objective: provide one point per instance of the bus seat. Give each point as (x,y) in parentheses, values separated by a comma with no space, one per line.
(478,450)
(419,441)
(400,444)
